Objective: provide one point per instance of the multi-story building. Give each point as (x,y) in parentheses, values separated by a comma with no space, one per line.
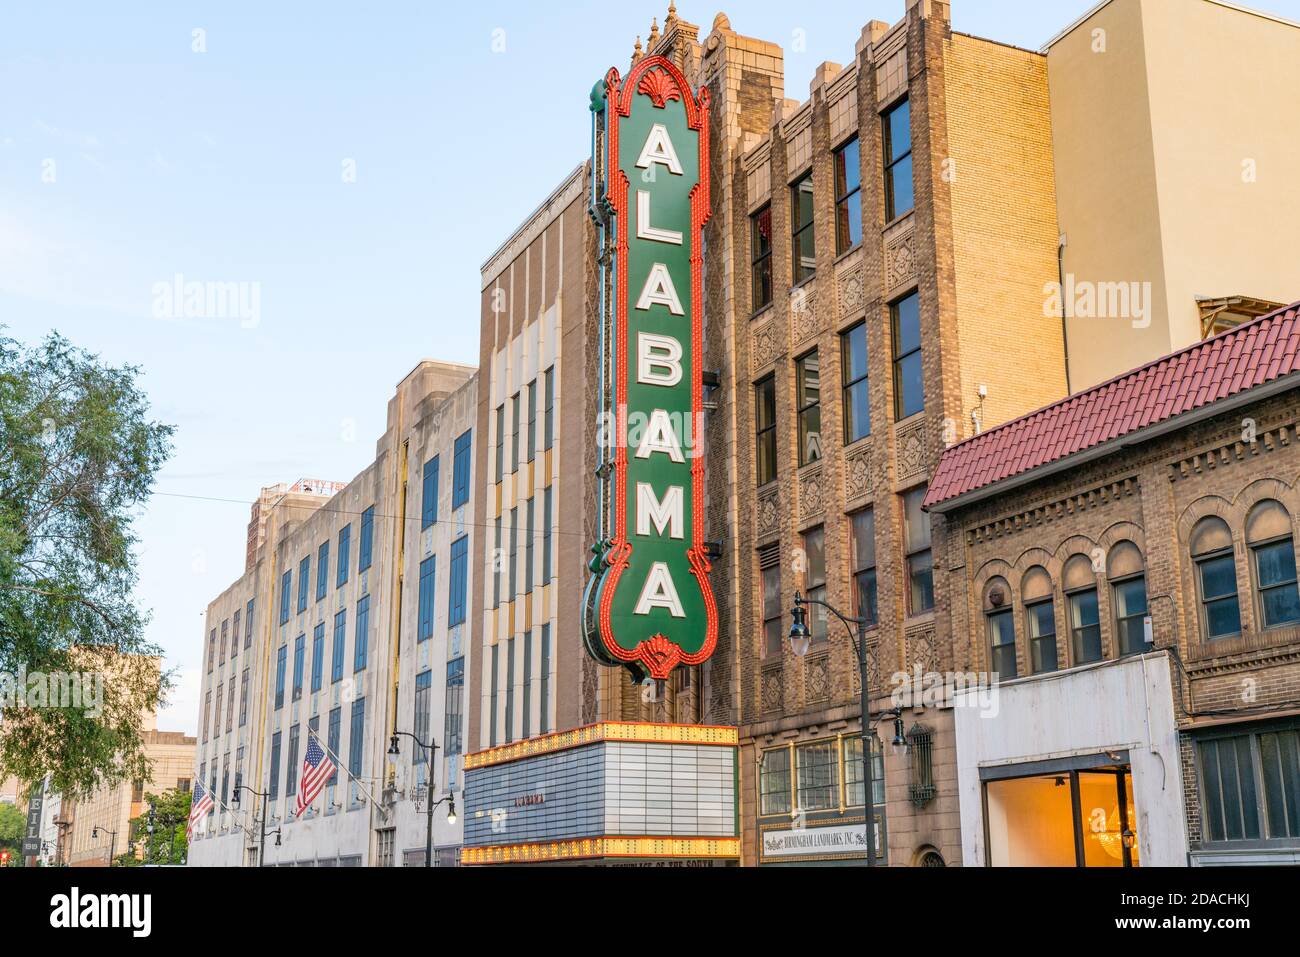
(100,823)
(1173,180)
(310,641)
(1125,562)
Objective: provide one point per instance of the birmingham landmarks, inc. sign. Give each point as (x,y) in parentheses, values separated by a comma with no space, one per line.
(649,604)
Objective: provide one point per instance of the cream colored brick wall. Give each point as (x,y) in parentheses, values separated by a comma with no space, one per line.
(1004,228)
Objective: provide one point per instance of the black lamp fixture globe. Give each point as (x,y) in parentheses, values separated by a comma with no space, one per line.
(800,636)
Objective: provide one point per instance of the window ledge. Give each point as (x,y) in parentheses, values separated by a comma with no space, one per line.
(760,312)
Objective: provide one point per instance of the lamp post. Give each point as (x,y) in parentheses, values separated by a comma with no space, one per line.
(394,752)
(800,639)
(234,799)
(112,843)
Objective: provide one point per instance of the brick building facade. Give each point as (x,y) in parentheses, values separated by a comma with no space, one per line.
(1174,499)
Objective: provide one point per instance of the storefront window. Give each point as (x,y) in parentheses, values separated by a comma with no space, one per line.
(818,780)
(774,782)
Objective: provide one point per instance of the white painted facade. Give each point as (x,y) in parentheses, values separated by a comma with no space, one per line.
(1112,707)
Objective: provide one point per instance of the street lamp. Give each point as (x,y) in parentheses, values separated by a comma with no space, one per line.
(800,640)
(261,858)
(112,844)
(394,752)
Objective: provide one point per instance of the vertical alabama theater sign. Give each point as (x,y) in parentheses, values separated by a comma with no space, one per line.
(649,605)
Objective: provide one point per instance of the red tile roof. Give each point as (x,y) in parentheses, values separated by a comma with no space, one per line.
(1244,358)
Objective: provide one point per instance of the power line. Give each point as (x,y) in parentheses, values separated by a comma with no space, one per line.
(343,511)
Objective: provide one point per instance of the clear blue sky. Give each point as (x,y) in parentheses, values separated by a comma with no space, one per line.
(227,166)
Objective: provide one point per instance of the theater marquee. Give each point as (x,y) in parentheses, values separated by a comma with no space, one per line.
(650,606)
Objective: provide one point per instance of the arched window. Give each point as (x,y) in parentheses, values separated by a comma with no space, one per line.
(1001,628)
(1128,583)
(1272,555)
(1080,584)
(1040,619)
(1216,578)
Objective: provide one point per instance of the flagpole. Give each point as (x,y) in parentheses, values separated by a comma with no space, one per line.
(338,763)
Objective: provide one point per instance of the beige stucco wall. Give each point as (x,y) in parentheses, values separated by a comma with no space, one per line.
(1151,137)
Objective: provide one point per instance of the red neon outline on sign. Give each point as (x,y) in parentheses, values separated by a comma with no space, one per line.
(657,653)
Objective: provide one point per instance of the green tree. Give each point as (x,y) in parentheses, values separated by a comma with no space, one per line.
(13,823)
(167,844)
(78,457)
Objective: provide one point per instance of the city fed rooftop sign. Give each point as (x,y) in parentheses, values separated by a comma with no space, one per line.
(650,606)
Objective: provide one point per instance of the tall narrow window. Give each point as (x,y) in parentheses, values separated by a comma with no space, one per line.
(322,569)
(1272,553)
(1216,578)
(340,645)
(429,494)
(897,140)
(501,443)
(853,371)
(493,695)
(345,547)
(317,657)
(230,704)
(424,631)
(1128,585)
(454,711)
(274,789)
(769,566)
(530,443)
(546,534)
(299,652)
(814,579)
(234,635)
(1040,619)
(248,624)
(291,765)
(545,699)
(362,639)
(225,636)
(808,397)
(517,405)
(920,564)
(1001,628)
(212,644)
(357,737)
(510,690)
(848,197)
(304,578)
(423,692)
(765,428)
(460,471)
(529,539)
(528,686)
(366,546)
(803,247)
(760,251)
(281,658)
(243,698)
(512,581)
(1080,584)
(458,586)
(286,586)
(909,391)
(548,425)
(496,566)
(335,734)
(864,564)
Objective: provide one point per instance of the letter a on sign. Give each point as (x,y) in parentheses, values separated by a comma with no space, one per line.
(650,605)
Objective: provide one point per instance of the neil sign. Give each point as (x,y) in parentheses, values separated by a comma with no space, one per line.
(649,605)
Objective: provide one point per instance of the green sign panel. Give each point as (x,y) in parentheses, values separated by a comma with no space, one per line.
(650,606)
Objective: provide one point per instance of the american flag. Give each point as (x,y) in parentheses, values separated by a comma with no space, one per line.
(316,771)
(200,805)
